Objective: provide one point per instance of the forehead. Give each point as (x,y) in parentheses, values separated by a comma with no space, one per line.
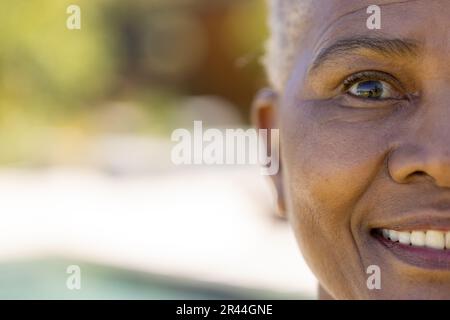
(335,9)
(406,18)
(425,21)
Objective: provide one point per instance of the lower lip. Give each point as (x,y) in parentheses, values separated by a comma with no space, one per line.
(421,257)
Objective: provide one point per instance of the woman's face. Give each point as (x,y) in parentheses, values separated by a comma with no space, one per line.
(365,145)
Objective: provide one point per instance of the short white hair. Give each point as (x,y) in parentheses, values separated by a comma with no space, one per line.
(287,20)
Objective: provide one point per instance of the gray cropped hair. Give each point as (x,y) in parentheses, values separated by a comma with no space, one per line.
(287,19)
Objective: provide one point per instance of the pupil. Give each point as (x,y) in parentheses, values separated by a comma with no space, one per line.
(370,89)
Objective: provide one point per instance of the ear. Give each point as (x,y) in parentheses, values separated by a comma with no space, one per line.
(264,113)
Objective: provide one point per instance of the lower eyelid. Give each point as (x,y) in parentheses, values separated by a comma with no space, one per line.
(351,101)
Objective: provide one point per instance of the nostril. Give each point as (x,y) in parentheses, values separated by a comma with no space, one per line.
(418,173)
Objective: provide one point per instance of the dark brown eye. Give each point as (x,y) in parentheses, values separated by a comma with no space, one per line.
(372,89)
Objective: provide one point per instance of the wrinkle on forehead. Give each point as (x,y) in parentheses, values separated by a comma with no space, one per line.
(292,21)
(339,10)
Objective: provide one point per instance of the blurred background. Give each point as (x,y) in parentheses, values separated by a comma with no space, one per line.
(86,177)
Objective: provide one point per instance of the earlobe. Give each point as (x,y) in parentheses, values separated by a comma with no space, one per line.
(264,114)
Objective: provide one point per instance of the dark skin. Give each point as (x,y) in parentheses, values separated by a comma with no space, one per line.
(359,156)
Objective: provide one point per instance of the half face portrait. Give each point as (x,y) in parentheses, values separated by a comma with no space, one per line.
(360,92)
(252,152)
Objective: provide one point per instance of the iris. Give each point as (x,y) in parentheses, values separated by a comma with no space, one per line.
(370,89)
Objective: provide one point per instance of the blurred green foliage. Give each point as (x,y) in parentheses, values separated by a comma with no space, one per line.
(39,54)
(149,54)
(48,74)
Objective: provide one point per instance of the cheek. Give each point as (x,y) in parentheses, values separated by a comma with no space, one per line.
(327,166)
(330,161)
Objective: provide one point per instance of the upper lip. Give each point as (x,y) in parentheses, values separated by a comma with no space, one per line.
(418,219)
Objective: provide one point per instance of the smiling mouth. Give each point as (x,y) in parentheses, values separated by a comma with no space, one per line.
(429,249)
(432,239)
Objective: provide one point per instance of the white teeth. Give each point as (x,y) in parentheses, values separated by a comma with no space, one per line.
(418,238)
(447,240)
(393,235)
(404,237)
(435,239)
(431,238)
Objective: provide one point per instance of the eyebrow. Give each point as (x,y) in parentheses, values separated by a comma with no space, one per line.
(384,46)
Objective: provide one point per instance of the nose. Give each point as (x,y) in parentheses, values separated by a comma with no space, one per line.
(423,150)
(414,162)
